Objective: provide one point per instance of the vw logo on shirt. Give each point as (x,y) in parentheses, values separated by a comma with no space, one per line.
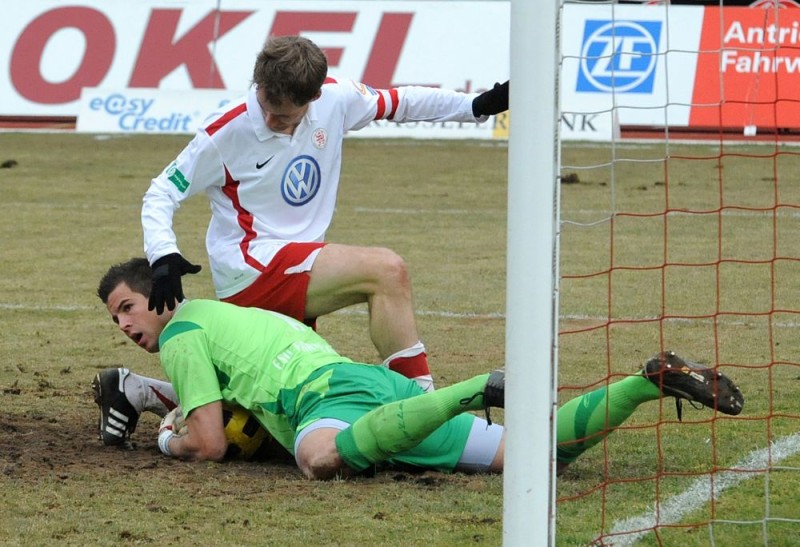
(301,181)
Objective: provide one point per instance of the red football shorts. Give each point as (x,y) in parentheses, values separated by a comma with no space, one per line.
(279,288)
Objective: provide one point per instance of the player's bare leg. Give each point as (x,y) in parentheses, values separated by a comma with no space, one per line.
(318,458)
(344,275)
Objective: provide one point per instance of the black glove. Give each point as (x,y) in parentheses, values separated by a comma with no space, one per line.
(491,102)
(167,289)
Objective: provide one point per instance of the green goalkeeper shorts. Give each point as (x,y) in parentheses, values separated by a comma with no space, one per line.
(347,391)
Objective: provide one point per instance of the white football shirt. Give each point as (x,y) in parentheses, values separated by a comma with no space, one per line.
(267,189)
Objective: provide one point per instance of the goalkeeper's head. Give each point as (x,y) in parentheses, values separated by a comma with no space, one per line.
(125,290)
(135,273)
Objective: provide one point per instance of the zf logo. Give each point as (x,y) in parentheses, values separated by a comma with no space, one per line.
(619,56)
(301,181)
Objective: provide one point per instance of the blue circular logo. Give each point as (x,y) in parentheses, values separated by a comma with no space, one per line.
(301,181)
(620,56)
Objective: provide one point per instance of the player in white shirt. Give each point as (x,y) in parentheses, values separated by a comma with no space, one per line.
(270,166)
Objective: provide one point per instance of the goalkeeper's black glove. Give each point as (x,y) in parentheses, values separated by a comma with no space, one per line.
(491,102)
(167,289)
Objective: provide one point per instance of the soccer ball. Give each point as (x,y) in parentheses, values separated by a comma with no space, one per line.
(244,433)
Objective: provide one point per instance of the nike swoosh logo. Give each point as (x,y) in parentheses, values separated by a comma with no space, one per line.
(260,165)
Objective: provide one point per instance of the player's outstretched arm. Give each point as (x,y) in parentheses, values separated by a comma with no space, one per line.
(491,102)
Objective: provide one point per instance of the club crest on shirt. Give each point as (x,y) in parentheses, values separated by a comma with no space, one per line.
(360,87)
(301,181)
(319,138)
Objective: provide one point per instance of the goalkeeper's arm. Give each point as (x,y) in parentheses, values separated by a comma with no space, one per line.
(204,438)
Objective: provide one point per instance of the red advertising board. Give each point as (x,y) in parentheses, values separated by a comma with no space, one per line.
(748,69)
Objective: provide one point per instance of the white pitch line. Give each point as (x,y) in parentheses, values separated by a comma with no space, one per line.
(698,494)
(398,211)
(54,307)
(565,317)
(566,216)
(429,313)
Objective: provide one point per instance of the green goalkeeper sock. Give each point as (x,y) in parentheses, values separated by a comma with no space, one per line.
(402,425)
(586,420)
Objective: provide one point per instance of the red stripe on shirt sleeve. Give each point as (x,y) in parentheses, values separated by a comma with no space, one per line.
(395,102)
(220,122)
(381,106)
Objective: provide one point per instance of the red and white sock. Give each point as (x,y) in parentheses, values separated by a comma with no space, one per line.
(412,363)
(146,393)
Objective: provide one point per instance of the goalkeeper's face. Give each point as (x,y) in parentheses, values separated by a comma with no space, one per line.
(128,310)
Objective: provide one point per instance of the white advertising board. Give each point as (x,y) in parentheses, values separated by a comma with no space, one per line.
(148,110)
(50,51)
(636,61)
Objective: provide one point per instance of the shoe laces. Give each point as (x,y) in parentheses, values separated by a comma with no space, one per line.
(679,406)
(467,400)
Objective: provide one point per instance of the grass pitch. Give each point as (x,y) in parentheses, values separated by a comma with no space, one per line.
(697,253)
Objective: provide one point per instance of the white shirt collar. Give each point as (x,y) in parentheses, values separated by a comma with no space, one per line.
(256,116)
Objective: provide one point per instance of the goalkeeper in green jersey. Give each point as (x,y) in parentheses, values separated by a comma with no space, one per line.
(334,415)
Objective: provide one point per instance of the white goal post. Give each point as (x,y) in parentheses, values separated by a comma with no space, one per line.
(531,325)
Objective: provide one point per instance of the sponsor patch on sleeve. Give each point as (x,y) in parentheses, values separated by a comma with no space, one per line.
(177,178)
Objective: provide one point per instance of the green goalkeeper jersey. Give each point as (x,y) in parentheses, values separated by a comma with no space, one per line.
(257,359)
